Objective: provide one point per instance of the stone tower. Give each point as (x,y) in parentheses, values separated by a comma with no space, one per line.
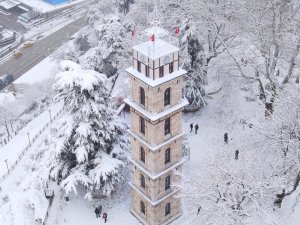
(156,105)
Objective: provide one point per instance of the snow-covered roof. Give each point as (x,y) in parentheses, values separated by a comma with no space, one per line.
(156,49)
(155,116)
(154,203)
(155,147)
(9,4)
(154,176)
(156,82)
(156,31)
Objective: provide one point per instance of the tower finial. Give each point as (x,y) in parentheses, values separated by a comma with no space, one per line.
(155,16)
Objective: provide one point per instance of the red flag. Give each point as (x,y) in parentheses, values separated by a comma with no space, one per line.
(152,38)
(177,31)
(133,32)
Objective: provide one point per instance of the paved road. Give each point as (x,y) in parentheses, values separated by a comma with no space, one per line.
(10,21)
(40,50)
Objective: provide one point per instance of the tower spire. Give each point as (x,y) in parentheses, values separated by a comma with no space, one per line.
(155,16)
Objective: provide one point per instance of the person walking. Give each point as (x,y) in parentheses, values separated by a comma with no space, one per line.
(105,217)
(196,128)
(100,210)
(226,138)
(236,154)
(199,208)
(191,126)
(97,212)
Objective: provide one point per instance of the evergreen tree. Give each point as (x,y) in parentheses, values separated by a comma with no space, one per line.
(111,50)
(86,157)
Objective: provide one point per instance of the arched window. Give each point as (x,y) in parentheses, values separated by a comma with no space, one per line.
(167,182)
(167,155)
(142,96)
(142,154)
(167,126)
(143,207)
(143,181)
(167,97)
(168,209)
(142,125)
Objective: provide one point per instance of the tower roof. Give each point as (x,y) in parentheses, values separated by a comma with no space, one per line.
(155,50)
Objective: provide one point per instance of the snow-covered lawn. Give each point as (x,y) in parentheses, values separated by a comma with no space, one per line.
(42,71)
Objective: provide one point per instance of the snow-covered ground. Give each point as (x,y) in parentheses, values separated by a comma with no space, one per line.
(42,71)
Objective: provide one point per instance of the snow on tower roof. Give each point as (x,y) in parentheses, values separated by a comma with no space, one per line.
(156,49)
(156,31)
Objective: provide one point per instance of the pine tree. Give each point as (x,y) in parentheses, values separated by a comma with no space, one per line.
(86,156)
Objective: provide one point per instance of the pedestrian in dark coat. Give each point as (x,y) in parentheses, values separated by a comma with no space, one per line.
(237,154)
(191,126)
(196,128)
(97,212)
(105,217)
(226,138)
(100,210)
(199,208)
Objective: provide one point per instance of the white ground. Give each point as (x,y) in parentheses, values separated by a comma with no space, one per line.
(43,70)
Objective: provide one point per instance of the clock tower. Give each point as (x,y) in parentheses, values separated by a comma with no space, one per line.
(156,105)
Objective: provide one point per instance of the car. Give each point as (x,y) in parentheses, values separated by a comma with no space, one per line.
(17,53)
(27,44)
(5,80)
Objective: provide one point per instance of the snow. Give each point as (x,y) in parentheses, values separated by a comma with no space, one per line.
(155,116)
(156,82)
(43,70)
(156,31)
(6,98)
(155,147)
(156,175)
(156,49)
(15,147)
(43,7)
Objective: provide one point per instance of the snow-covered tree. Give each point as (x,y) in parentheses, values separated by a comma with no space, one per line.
(111,50)
(124,5)
(86,158)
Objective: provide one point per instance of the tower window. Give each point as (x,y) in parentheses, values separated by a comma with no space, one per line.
(147,71)
(143,207)
(142,154)
(168,209)
(143,182)
(142,125)
(171,67)
(167,155)
(167,126)
(167,97)
(167,182)
(142,96)
(161,71)
(139,65)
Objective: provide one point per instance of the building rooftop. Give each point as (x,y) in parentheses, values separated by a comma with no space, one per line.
(156,49)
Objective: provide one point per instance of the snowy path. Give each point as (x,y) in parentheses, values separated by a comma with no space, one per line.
(24,186)
(13,150)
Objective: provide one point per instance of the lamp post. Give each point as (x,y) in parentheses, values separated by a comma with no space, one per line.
(6,160)
(28,138)
(50,115)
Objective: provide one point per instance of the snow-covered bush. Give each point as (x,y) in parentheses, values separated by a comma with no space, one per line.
(86,157)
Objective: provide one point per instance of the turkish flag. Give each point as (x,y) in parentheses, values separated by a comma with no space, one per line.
(152,38)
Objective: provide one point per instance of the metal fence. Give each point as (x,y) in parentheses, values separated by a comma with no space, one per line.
(13,166)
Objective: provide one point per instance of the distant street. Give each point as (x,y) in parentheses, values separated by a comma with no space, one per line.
(40,50)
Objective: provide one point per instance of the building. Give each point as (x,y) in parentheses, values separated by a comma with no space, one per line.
(156,105)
